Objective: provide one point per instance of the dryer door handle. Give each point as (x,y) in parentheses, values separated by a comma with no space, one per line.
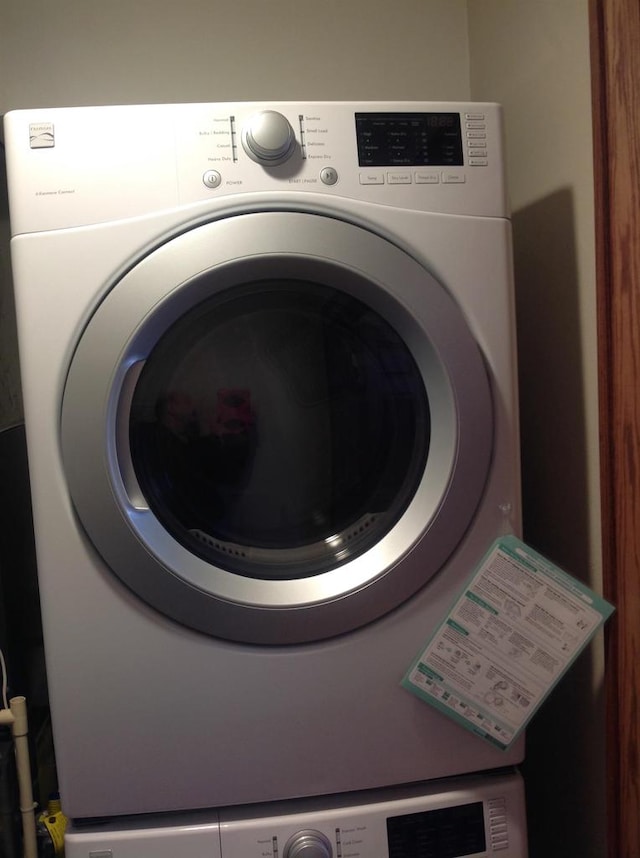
(124,460)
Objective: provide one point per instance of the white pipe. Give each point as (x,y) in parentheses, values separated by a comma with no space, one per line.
(17,717)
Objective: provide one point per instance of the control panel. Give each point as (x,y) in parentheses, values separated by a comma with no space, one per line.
(385,156)
(79,166)
(472,817)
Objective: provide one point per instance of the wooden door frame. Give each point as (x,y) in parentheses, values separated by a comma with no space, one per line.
(615,62)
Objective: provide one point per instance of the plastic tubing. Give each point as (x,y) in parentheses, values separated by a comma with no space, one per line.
(16,716)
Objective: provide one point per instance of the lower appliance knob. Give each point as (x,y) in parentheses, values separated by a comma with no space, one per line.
(308,844)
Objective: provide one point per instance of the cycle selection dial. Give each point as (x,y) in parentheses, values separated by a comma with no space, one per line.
(268,138)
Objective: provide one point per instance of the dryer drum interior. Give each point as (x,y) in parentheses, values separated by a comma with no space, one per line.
(279,429)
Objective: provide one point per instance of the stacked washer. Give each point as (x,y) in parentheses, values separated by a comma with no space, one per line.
(480,816)
(269,379)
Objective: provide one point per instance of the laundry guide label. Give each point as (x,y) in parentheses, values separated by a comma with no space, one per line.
(518,625)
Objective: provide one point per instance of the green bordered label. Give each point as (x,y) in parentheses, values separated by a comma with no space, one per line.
(516,628)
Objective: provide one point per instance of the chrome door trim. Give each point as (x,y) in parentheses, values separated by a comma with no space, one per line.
(179,275)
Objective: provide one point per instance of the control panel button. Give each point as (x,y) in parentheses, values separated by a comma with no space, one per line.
(478,162)
(476,116)
(427,177)
(212,179)
(399,178)
(454,178)
(328,175)
(371,178)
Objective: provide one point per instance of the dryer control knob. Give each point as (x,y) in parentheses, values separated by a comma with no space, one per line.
(268,138)
(308,844)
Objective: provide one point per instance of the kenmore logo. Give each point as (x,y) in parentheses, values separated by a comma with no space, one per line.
(41,136)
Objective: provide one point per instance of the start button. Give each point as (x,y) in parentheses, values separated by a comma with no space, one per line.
(328,175)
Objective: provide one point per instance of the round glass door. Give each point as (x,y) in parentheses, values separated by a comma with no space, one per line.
(279,429)
(276,427)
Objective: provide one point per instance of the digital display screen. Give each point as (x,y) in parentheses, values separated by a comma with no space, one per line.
(409,139)
(450,832)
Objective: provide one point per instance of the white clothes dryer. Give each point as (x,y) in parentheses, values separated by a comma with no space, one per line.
(269,378)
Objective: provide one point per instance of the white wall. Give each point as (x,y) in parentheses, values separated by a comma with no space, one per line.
(533,57)
(132,51)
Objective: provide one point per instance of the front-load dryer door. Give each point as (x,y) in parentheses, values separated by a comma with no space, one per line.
(276,427)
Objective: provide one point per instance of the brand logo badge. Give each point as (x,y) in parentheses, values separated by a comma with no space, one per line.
(41,135)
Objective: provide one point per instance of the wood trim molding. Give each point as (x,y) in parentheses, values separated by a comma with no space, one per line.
(615,60)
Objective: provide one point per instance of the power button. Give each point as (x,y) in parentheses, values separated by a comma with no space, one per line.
(212,179)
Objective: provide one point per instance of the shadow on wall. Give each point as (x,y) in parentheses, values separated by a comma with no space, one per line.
(565,737)
(10,391)
(552,405)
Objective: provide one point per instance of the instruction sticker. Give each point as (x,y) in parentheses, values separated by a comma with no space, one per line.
(516,628)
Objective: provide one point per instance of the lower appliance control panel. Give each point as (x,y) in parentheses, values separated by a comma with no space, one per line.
(472,817)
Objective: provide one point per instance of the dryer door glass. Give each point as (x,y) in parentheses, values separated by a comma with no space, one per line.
(279,429)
